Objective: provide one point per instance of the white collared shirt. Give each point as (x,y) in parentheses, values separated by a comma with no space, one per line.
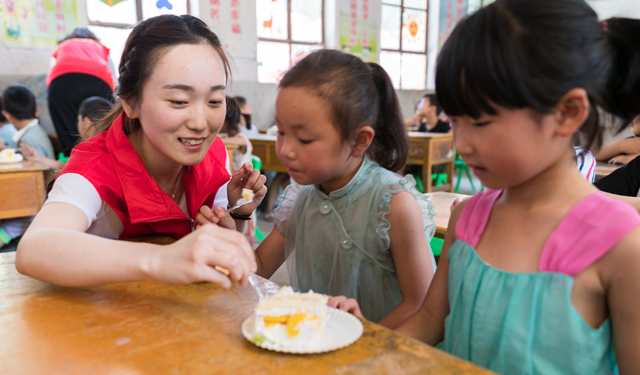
(16,137)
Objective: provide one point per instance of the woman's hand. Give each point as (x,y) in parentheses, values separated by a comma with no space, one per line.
(217,215)
(194,258)
(30,153)
(246,178)
(343,303)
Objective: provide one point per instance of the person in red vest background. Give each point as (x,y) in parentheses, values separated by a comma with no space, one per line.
(81,70)
(155,164)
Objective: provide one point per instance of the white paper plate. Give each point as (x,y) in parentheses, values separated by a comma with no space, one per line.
(17,159)
(341,329)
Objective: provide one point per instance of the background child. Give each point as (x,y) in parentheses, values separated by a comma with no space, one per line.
(231,128)
(624,150)
(538,274)
(349,225)
(91,110)
(7,130)
(156,159)
(19,107)
(246,127)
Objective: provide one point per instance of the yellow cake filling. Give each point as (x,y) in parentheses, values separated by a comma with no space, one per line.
(291,321)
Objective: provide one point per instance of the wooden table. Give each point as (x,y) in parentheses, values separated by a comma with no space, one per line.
(442,203)
(150,328)
(22,190)
(425,149)
(604,169)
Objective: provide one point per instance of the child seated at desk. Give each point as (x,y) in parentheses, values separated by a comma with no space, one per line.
(622,151)
(234,136)
(19,107)
(427,117)
(91,110)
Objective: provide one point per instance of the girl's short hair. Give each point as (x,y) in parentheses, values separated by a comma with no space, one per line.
(530,53)
(148,40)
(358,94)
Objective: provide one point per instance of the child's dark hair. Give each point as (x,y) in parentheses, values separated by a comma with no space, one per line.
(232,117)
(19,101)
(95,107)
(242,101)
(144,47)
(530,53)
(433,100)
(358,94)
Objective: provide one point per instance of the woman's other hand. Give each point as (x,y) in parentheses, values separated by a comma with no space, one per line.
(246,178)
(217,215)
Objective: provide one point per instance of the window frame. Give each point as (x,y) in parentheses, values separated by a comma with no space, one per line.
(139,17)
(402,51)
(289,41)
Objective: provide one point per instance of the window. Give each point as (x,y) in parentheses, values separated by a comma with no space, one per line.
(288,30)
(475,5)
(403,42)
(112,20)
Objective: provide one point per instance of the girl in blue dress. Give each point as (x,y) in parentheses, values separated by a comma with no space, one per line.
(538,274)
(348,224)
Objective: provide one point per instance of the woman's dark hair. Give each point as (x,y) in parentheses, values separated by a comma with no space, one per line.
(359,94)
(80,33)
(530,53)
(232,117)
(143,49)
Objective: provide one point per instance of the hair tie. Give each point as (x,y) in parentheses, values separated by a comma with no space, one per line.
(605,27)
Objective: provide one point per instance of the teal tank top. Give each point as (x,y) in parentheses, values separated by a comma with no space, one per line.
(525,323)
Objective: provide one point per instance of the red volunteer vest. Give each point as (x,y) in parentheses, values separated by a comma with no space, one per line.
(81,55)
(113,167)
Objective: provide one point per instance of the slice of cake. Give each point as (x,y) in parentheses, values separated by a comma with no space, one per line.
(247,194)
(290,319)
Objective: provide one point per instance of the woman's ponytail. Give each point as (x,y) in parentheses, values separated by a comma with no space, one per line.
(390,145)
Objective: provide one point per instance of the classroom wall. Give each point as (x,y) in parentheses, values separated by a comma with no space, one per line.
(30,65)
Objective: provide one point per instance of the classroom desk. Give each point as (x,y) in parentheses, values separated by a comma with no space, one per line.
(426,149)
(604,169)
(22,190)
(442,203)
(150,328)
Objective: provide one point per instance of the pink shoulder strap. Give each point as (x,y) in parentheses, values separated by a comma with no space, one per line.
(475,216)
(590,229)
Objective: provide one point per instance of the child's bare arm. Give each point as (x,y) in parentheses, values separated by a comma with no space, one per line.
(270,253)
(411,255)
(624,146)
(427,324)
(623,288)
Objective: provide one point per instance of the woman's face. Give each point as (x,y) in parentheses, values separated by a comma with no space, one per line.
(183,105)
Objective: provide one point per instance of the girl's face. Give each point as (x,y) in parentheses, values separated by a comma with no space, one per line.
(308,144)
(509,148)
(183,105)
